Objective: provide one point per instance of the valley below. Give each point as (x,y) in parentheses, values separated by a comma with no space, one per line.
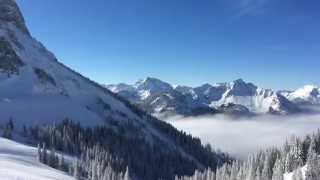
(242,136)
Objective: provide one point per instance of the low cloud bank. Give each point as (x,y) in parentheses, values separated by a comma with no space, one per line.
(242,136)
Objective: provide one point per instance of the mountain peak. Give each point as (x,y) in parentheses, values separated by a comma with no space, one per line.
(206,85)
(239,81)
(10,13)
(153,85)
(240,88)
(152,79)
(147,80)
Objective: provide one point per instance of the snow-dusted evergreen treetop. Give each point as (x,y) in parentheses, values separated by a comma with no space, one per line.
(161,98)
(298,159)
(36,90)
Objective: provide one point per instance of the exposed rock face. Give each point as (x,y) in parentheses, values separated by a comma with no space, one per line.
(241,88)
(44,77)
(9,60)
(10,13)
(234,109)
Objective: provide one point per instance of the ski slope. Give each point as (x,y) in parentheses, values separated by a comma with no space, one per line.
(19,162)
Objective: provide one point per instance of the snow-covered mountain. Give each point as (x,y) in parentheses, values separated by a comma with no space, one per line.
(237,97)
(158,97)
(142,89)
(257,100)
(36,90)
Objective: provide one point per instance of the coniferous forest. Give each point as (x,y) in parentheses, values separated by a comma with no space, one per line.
(107,151)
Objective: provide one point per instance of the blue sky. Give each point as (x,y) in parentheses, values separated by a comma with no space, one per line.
(273,43)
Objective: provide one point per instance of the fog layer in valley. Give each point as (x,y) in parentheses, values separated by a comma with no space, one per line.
(242,136)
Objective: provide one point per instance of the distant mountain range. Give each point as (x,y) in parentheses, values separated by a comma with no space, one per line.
(238,98)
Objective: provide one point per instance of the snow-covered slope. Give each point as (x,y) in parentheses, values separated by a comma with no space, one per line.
(19,162)
(208,98)
(35,86)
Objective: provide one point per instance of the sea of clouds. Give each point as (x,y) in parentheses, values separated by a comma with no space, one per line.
(242,136)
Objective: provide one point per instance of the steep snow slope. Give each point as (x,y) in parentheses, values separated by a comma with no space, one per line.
(35,86)
(19,162)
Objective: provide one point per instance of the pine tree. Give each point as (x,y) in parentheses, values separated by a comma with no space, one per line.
(76,170)
(297,175)
(8,129)
(258,175)
(266,172)
(39,156)
(313,166)
(61,163)
(312,149)
(10,124)
(52,159)
(127,175)
(44,154)
(278,170)
(234,171)
(94,175)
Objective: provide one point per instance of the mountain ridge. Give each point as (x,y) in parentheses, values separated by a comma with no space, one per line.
(217,98)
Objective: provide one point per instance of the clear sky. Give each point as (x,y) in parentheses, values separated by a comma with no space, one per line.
(273,43)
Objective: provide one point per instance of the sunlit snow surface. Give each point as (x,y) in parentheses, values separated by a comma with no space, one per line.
(19,162)
(289,176)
